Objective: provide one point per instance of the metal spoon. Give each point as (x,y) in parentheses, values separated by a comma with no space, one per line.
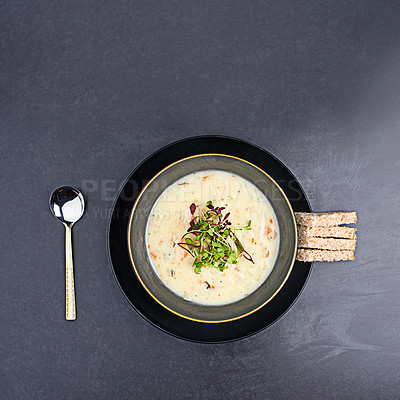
(67,205)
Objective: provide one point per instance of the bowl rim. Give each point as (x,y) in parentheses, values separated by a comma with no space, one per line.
(149,291)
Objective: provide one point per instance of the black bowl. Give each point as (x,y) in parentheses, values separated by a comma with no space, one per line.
(147,275)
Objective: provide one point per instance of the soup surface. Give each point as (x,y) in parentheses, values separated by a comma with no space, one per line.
(170,218)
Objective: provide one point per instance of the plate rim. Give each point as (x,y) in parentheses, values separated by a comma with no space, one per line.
(110,218)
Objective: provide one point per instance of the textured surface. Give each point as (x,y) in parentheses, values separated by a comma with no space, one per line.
(88,90)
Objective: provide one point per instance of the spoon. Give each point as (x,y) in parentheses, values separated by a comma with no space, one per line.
(67,205)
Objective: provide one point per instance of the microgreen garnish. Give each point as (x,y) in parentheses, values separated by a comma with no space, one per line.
(248,227)
(210,238)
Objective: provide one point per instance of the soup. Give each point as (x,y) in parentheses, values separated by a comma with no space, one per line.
(253,228)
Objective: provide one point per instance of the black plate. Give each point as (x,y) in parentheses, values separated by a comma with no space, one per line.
(119,253)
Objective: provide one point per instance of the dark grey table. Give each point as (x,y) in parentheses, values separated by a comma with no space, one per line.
(89,89)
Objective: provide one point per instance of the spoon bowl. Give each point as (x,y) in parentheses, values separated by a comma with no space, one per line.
(68,205)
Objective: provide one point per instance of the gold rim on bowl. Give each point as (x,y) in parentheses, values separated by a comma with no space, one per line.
(149,291)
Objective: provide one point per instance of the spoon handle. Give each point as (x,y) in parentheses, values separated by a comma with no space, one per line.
(69,276)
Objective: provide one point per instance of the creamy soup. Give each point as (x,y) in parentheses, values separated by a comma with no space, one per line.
(170,218)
